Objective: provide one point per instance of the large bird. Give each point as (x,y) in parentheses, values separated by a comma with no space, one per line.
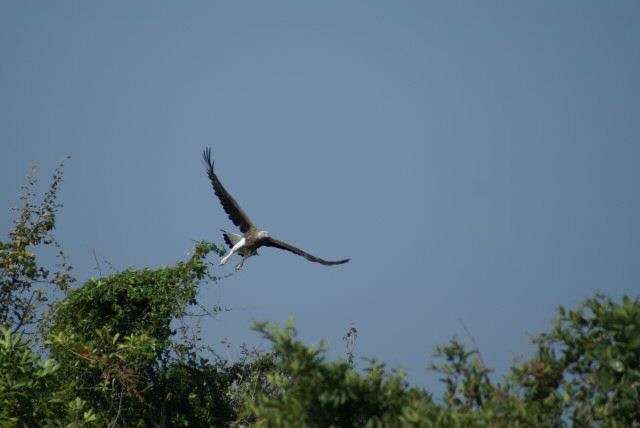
(252,237)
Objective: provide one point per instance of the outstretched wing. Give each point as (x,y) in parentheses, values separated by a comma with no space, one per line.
(231,207)
(270,242)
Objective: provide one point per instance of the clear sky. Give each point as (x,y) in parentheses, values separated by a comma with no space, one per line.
(478,161)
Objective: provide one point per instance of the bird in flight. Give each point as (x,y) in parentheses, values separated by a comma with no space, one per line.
(252,237)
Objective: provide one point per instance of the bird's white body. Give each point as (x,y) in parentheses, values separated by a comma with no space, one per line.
(238,245)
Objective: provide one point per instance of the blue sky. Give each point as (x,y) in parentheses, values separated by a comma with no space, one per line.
(478,161)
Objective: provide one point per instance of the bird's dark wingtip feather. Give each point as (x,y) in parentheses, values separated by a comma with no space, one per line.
(338,262)
(206,156)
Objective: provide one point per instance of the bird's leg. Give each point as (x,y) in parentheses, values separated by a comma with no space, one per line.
(239,265)
(233,249)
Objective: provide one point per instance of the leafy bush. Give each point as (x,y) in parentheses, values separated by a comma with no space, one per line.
(19,271)
(587,368)
(113,335)
(310,392)
(31,391)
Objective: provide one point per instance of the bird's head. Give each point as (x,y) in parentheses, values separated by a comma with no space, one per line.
(263,234)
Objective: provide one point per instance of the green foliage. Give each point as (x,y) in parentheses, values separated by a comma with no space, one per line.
(25,382)
(587,367)
(113,335)
(349,339)
(310,392)
(194,393)
(197,392)
(471,399)
(132,302)
(31,391)
(586,373)
(19,271)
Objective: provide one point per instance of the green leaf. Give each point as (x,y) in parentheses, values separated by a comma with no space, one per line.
(617,365)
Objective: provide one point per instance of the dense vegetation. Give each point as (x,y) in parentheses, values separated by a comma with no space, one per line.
(118,351)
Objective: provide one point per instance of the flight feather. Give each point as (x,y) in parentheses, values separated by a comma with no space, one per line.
(232,208)
(270,242)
